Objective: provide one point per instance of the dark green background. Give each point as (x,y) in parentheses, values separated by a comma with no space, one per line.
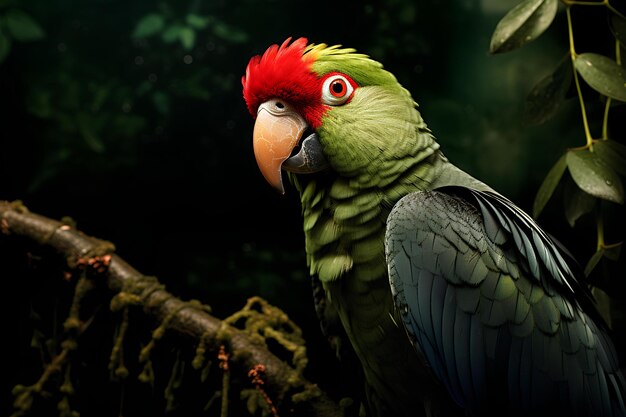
(148,144)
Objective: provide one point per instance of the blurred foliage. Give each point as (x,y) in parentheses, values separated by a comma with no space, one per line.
(128,116)
(16,25)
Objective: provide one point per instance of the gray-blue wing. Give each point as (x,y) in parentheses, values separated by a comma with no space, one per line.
(498,309)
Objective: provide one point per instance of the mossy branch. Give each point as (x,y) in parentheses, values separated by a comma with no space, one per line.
(282,381)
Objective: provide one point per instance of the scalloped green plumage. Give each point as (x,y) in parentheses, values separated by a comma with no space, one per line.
(332,267)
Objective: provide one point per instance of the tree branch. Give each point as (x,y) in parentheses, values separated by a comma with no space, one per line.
(182,317)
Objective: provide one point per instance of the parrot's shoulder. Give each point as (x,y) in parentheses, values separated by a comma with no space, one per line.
(467,214)
(453,176)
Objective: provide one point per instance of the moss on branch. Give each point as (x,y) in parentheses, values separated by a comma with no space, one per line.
(282,381)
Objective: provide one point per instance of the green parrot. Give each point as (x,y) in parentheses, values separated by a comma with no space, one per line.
(454,300)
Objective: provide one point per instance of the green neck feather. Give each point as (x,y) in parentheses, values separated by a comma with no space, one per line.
(380,149)
(345,212)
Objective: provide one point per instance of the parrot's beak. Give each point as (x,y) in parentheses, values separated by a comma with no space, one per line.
(277,131)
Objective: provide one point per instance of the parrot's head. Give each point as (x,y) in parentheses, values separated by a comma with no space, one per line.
(320,107)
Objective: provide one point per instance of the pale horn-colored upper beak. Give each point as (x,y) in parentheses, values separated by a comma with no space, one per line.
(277,131)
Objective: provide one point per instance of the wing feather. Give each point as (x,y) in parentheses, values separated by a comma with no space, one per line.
(478,360)
(499,310)
(448,339)
(462,346)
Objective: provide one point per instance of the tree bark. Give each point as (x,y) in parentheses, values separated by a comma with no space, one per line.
(281,379)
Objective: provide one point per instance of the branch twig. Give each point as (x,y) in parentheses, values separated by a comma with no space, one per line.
(282,380)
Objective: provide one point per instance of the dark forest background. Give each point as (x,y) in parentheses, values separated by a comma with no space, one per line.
(128,117)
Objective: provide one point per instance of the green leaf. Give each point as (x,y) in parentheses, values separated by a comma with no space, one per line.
(618,27)
(576,202)
(603,302)
(593,262)
(545,98)
(22,27)
(524,23)
(613,154)
(548,186)
(594,176)
(187,37)
(5,46)
(128,125)
(149,25)
(40,103)
(86,128)
(613,252)
(602,74)
(143,88)
(161,102)
(226,32)
(197,21)
(172,33)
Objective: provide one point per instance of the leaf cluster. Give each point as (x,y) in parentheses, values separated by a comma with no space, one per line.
(597,168)
(17,26)
(184,30)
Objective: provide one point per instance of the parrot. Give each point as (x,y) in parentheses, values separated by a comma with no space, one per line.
(452,299)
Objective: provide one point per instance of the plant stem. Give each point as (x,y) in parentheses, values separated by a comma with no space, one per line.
(569,3)
(614,10)
(600,230)
(572,52)
(605,120)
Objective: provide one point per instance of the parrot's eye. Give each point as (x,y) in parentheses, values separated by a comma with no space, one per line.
(337,89)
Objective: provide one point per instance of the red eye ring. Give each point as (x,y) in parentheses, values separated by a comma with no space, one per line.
(338,88)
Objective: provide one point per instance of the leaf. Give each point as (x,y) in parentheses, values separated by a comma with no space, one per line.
(576,202)
(594,176)
(545,98)
(197,21)
(548,186)
(149,25)
(86,128)
(593,262)
(5,46)
(522,24)
(613,154)
(172,33)
(128,125)
(143,88)
(226,32)
(602,74)
(612,252)
(161,102)
(187,37)
(617,24)
(603,302)
(22,27)
(39,102)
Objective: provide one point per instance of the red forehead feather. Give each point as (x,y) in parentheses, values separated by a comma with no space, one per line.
(284,72)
